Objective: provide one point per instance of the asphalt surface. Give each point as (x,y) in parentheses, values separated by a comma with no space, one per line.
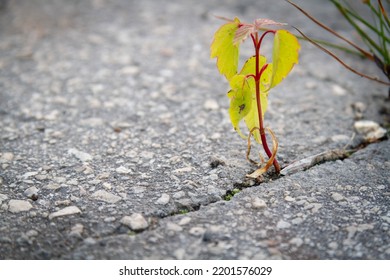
(115,140)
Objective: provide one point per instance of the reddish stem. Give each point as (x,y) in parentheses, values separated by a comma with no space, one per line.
(259,72)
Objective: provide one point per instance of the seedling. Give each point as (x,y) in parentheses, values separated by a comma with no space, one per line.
(250,87)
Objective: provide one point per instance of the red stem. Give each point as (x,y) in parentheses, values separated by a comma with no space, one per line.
(259,72)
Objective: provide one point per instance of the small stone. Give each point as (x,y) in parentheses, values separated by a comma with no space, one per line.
(109,219)
(31,233)
(215,136)
(179,253)
(333,245)
(3,197)
(106,196)
(185,203)
(283,225)
(135,222)
(52,186)
(29,174)
(104,175)
(70,210)
(297,221)
(359,109)
(371,130)
(82,156)
(311,85)
(337,197)
(65,202)
(31,193)
(16,206)
(7,157)
(211,104)
(338,90)
(258,203)
(179,194)
(183,170)
(173,227)
(89,241)
(123,170)
(197,231)
(40,177)
(76,230)
(147,155)
(164,199)
(316,207)
(289,198)
(184,221)
(296,241)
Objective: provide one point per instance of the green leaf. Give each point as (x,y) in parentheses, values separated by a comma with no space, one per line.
(284,55)
(225,50)
(243,103)
(240,100)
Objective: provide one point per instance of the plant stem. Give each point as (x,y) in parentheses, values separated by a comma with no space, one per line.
(257,44)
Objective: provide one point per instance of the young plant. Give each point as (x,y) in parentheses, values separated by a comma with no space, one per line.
(250,87)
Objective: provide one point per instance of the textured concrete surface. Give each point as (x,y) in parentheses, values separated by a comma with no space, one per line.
(115,142)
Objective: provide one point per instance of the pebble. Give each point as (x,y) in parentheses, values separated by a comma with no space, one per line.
(106,196)
(173,227)
(29,174)
(359,109)
(258,203)
(338,90)
(289,198)
(31,233)
(70,210)
(123,170)
(135,222)
(179,254)
(296,241)
(16,206)
(3,197)
(82,156)
(89,241)
(211,104)
(333,245)
(371,130)
(77,230)
(163,200)
(184,221)
(65,202)
(183,170)
(32,193)
(7,157)
(197,231)
(297,221)
(283,225)
(337,197)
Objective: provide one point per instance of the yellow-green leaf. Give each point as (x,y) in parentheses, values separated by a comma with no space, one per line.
(252,118)
(225,50)
(284,55)
(240,100)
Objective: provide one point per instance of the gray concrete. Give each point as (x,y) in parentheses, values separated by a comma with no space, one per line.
(115,140)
